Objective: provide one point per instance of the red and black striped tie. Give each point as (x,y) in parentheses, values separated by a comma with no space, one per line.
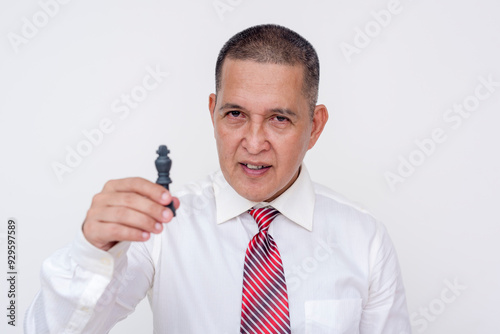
(264,307)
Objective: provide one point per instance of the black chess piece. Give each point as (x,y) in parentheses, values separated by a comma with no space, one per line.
(163,164)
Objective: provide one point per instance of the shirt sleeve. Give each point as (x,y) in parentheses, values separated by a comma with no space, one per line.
(88,290)
(385,311)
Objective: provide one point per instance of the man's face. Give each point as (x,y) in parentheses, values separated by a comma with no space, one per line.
(263,126)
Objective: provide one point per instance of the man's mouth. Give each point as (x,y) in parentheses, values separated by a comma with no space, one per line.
(255,167)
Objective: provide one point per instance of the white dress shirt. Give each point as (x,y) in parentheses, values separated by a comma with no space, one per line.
(341,269)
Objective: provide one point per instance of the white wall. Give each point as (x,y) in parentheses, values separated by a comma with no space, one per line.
(64,78)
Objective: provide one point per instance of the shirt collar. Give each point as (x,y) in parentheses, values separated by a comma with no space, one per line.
(296,203)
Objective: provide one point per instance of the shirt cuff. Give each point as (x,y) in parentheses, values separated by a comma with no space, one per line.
(94,259)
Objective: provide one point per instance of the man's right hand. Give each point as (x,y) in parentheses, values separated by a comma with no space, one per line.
(127,210)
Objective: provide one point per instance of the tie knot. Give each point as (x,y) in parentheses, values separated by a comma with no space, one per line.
(264,217)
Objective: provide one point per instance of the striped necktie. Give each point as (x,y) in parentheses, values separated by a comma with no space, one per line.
(264,307)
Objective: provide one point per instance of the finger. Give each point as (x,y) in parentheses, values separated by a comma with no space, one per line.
(168,214)
(136,202)
(129,217)
(106,235)
(177,202)
(119,232)
(140,186)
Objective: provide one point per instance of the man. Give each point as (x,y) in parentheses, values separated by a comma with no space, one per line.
(316,265)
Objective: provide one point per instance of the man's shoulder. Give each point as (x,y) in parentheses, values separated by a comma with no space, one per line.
(330,200)
(348,219)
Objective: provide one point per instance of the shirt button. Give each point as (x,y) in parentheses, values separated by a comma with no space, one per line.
(105,261)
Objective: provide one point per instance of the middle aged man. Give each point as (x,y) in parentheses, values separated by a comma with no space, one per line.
(256,247)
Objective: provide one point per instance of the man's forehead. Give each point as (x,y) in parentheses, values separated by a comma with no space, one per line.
(247,66)
(247,82)
(252,73)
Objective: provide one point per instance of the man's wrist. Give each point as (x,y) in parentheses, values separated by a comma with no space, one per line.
(94,259)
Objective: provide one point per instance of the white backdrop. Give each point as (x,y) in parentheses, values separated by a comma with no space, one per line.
(413,90)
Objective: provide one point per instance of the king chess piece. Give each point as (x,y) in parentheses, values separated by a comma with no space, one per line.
(163,165)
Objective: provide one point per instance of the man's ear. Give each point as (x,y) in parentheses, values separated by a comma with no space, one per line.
(318,123)
(212,99)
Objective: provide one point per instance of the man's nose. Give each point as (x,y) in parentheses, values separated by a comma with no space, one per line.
(255,138)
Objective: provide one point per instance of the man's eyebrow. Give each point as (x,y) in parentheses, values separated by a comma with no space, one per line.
(231,106)
(284,111)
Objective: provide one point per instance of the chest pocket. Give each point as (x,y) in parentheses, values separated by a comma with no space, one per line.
(334,316)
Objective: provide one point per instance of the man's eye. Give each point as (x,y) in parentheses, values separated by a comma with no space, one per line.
(234,113)
(281,119)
